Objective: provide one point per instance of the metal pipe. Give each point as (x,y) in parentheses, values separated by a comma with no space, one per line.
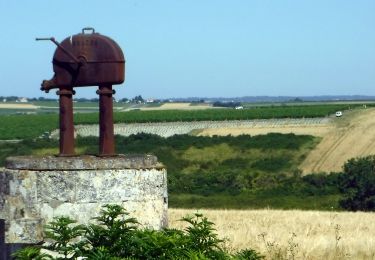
(52,39)
(2,240)
(66,122)
(106,132)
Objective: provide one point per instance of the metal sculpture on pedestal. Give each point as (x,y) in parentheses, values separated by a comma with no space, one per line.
(35,189)
(86,59)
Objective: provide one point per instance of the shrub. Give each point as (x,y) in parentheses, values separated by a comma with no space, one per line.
(116,236)
(358,184)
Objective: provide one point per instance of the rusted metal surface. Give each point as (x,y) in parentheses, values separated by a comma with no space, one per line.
(86,59)
(66,122)
(106,133)
(2,240)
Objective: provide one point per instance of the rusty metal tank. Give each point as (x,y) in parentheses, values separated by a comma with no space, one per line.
(86,59)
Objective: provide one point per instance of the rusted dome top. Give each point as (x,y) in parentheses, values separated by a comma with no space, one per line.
(89,48)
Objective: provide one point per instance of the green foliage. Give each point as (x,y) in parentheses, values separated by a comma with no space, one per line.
(63,237)
(228,114)
(206,166)
(116,236)
(358,184)
(274,163)
(31,253)
(222,171)
(26,126)
(113,230)
(32,126)
(201,235)
(247,254)
(257,200)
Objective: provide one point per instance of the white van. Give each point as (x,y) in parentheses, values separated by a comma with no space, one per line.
(338,114)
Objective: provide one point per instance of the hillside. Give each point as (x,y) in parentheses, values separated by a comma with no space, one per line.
(352,136)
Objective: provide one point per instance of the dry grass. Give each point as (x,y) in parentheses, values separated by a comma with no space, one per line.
(293,234)
(182,106)
(17,106)
(298,130)
(352,137)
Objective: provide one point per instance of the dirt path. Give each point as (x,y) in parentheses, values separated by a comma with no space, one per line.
(352,136)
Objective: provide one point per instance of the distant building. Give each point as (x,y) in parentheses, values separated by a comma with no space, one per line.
(238,107)
(22,100)
(4,100)
(150,100)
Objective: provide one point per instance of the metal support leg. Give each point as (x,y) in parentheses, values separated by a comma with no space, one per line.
(106,133)
(3,250)
(66,122)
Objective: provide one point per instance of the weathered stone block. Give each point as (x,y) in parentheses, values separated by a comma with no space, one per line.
(31,194)
(28,231)
(56,185)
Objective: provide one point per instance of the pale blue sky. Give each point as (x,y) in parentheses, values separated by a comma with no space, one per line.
(184,48)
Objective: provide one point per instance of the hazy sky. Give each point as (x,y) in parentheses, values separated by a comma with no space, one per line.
(184,48)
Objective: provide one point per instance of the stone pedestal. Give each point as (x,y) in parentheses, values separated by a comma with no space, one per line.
(33,190)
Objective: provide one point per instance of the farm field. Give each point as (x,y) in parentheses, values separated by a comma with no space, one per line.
(342,138)
(177,106)
(292,234)
(302,126)
(44,107)
(315,130)
(17,106)
(353,136)
(31,126)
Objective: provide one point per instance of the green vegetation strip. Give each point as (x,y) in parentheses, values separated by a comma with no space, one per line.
(31,126)
(221,172)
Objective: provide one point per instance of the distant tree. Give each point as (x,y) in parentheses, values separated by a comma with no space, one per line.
(124,100)
(12,98)
(82,99)
(46,99)
(297,99)
(226,104)
(358,184)
(138,99)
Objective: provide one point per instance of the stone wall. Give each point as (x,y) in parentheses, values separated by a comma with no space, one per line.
(33,190)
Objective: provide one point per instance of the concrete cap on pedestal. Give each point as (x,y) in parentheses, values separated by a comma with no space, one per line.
(83,162)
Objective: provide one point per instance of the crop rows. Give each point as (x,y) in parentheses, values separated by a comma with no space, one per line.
(31,126)
(270,112)
(167,129)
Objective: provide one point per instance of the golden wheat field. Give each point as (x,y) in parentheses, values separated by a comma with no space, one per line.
(292,234)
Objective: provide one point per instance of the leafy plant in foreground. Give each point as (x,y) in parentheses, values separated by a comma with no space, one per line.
(116,236)
(31,253)
(64,237)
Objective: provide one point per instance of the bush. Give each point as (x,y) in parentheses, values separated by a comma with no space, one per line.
(116,236)
(358,184)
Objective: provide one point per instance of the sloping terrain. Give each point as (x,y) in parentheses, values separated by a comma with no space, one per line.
(352,136)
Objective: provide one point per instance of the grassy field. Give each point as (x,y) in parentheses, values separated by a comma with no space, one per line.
(292,234)
(31,126)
